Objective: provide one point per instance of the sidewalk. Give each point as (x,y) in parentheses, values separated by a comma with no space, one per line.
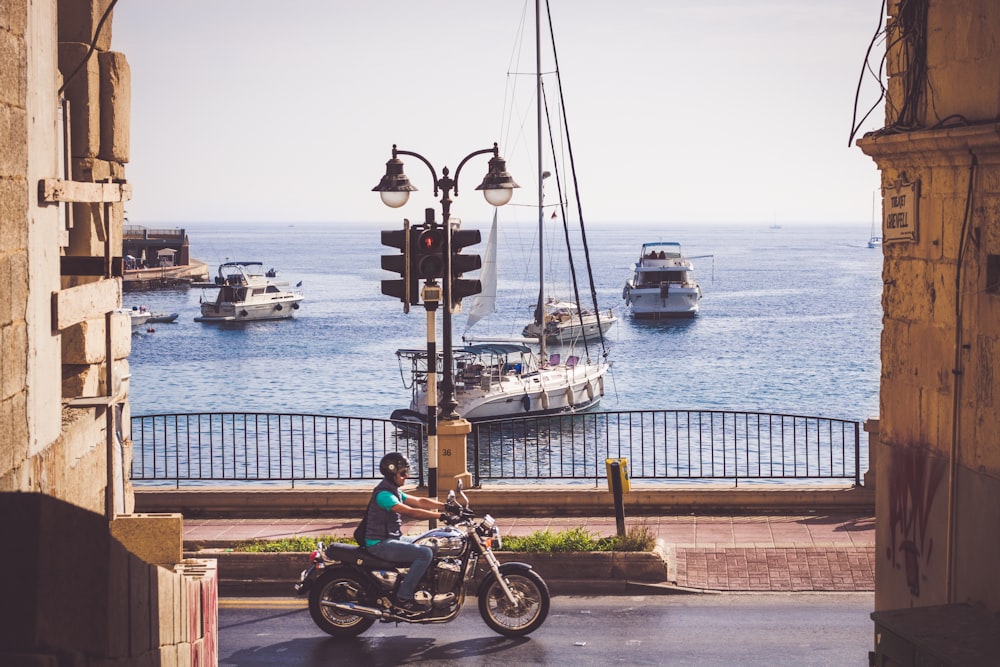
(808,552)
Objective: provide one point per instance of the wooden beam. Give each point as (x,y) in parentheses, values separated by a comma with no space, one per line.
(76,304)
(51,190)
(75,265)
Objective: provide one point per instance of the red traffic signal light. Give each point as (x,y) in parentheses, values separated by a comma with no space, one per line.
(427,257)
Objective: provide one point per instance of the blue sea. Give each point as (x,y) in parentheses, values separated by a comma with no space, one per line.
(790,321)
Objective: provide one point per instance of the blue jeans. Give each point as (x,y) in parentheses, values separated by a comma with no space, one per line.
(404,550)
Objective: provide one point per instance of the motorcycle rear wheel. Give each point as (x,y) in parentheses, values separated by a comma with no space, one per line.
(339,585)
(525,615)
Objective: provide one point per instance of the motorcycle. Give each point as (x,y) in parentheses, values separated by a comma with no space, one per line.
(349,588)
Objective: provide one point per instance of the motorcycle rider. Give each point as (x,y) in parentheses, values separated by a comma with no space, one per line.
(384,537)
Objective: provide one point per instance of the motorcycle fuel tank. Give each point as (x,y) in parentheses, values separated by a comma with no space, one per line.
(445,541)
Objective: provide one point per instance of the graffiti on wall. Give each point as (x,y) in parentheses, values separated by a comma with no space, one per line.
(914,480)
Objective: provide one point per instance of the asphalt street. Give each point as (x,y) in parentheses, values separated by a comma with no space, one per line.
(804,629)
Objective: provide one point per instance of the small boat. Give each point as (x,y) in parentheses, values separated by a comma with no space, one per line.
(247,294)
(566,323)
(874,240)
(662,284)
(139,318)
(502,380)
(162,317)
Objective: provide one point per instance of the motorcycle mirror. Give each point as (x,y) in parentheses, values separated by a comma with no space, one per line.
(462,493)
(451,495)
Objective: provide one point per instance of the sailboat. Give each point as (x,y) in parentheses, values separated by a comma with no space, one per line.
(503,378)
(874,240)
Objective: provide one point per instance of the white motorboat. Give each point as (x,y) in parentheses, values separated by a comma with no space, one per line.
(662,284)
(139,318)
(567,324)
(247,294)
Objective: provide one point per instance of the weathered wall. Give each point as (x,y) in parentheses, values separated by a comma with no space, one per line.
(938,477)
(45,445)
(64,415)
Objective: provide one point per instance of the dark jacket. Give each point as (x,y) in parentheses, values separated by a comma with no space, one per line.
(383,524)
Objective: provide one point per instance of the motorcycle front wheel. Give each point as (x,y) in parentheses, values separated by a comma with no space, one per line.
(339,585)
(529,609)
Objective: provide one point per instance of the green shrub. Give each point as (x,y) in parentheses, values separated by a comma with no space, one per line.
(637,538)
(293,544)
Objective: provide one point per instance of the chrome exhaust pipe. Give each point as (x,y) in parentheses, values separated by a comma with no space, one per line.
(360,610)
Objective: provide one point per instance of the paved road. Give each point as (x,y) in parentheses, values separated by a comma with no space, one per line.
(803,629)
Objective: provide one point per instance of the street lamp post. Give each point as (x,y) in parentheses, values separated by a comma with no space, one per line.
(394,189)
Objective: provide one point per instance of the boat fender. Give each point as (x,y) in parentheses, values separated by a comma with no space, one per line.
(570,399)
(295,306)
(545,400)
(526,402)
(278,307)
(243,313)
(590,389)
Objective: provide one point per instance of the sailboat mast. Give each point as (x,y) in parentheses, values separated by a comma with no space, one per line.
(540,308)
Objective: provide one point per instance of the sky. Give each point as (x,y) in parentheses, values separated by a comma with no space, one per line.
(679,111)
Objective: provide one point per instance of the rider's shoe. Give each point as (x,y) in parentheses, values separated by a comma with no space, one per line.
(412,605)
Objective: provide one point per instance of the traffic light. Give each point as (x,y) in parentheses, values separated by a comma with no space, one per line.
(406,288)
(427,253)
(461,287)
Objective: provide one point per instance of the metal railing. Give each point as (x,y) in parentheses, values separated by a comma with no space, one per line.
(213,448)
(266,447)
(667,444)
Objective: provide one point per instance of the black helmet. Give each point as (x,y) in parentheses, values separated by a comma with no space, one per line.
(392,463)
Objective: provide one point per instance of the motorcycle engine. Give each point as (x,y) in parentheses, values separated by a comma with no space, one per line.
(446,575)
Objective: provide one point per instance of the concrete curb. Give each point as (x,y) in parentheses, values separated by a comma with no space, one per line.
(513,501)
(590,573)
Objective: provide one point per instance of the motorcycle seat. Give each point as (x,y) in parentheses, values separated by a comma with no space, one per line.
(354,554)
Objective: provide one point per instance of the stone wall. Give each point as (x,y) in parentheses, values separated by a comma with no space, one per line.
(74,592)
(938,475)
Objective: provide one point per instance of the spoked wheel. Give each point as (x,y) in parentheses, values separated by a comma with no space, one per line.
(339,585)
(529,609)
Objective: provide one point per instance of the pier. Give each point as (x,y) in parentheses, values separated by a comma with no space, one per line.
(156,258)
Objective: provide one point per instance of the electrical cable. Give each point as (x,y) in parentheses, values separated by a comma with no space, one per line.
(861,78)
(93,47)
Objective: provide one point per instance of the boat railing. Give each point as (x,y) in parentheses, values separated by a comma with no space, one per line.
(198,449)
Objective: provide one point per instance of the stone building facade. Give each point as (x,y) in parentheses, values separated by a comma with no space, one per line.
(85,580)
(938,472)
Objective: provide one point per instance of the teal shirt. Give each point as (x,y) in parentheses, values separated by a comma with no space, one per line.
(387,501)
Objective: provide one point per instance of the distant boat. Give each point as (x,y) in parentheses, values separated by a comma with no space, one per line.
(874,240)
(566,323)
(139,318)
(775,227)
(663,283)
(247,294)
(162,317)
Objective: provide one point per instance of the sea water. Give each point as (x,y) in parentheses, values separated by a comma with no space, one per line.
(790,322)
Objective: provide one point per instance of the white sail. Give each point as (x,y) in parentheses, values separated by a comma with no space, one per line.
(485,303)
